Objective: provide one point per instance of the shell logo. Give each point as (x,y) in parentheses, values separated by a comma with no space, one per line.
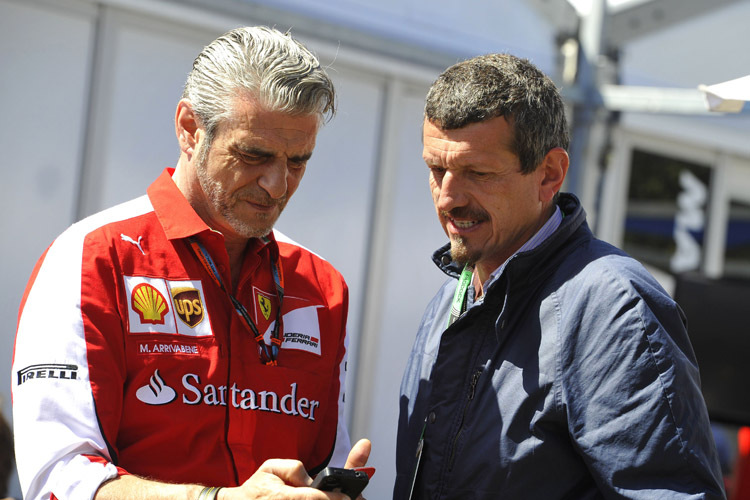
(149,303)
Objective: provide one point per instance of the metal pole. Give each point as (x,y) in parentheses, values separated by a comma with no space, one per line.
(583,146)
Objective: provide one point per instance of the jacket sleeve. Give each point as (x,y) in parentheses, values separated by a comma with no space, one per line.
(631,388)
(60,450)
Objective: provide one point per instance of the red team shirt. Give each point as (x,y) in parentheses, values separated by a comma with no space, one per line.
(130,359)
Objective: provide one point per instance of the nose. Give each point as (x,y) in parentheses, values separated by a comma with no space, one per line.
(450,192)
(273,179)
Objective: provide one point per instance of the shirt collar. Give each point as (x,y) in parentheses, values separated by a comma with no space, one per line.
(175,214)
(177,217)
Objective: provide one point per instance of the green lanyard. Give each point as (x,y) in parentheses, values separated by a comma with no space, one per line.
(458,306)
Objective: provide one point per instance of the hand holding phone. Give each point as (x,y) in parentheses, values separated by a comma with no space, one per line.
(348,481)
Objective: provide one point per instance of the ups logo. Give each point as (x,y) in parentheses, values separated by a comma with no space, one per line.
(188,305)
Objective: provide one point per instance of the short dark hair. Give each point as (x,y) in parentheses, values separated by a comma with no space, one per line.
(493,85)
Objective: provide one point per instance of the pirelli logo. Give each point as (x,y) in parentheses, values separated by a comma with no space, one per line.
(48,371)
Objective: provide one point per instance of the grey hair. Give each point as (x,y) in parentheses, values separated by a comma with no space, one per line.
(493,85)
(264,63)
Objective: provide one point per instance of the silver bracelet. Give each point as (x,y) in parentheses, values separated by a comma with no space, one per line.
(209,493)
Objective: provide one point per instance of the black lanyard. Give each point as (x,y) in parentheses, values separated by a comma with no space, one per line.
(267,356)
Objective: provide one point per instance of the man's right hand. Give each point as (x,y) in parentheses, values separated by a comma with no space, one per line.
(279,479)
(276,479)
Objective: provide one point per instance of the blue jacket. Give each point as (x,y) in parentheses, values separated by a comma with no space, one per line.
(573,378)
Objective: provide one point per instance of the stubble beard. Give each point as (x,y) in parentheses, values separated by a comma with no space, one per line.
(225,203)
(461,254)
(460,251)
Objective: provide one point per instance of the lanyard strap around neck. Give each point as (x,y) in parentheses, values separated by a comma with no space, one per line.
(458,306)
(268,354)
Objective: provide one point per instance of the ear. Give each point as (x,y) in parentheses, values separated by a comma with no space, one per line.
(187,128)
(554,168)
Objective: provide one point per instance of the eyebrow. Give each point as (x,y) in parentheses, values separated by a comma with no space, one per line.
(301,158)
(252,151)
(263,153)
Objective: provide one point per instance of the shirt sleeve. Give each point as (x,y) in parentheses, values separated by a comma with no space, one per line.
(334,436)
(343,444)
(631,390)
(60,450)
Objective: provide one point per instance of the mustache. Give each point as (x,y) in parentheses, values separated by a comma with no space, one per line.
(465,213)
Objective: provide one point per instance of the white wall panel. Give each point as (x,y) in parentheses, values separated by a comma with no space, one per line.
(407,281)
(142,64)
(44,62)
(44,59)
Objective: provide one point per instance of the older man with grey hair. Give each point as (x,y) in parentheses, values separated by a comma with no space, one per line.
(177,346)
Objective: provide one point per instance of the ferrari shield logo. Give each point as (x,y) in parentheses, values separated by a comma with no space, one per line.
(265,306)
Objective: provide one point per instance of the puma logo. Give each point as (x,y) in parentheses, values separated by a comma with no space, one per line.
(131,240)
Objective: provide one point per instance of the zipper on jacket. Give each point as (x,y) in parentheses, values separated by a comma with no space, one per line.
(470,396)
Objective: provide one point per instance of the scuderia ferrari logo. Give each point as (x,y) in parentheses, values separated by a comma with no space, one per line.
(301,330)
(158,392)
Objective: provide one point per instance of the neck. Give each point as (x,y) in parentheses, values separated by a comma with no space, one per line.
(478,283)
(236,252)
(187,182)
(481,275)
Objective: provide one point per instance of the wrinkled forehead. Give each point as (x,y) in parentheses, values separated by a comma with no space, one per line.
(488,137)
(272,133)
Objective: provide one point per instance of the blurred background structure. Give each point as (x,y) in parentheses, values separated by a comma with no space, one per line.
(88,90)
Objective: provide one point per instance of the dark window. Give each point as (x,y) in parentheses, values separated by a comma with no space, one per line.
(666,212)
(737,253)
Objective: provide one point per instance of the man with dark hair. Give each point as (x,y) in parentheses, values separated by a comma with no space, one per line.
(176,346)
(550,365)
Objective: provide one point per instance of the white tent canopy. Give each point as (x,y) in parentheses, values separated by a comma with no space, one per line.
(729,96)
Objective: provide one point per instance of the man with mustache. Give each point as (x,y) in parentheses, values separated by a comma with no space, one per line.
(176,346)
(550,365)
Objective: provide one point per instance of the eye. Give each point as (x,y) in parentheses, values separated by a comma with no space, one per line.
(296,164)
(436,171)
(479,174)
(251,159)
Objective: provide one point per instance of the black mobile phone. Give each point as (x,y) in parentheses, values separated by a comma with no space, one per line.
(348,481)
